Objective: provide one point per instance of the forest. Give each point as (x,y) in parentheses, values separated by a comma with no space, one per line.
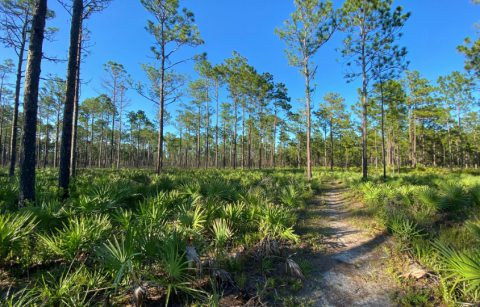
(235,190)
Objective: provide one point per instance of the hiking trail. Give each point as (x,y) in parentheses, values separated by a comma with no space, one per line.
(351,270)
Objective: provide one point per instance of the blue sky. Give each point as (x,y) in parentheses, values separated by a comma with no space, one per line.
(431,35)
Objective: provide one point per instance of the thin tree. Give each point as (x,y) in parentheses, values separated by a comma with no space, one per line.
(172,31)
(334,107)
(311,26)
(368,23)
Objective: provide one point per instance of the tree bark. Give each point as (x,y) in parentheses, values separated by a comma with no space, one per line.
(30,104)
(66,148)
(73,154)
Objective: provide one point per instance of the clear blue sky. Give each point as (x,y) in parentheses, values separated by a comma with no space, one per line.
(431,35)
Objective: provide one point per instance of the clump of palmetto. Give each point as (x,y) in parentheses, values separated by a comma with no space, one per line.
(128,233)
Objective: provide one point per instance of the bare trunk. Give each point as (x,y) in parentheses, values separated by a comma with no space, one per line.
(30,104)
(64,172)
(309,127)
(73,155)
(13,135)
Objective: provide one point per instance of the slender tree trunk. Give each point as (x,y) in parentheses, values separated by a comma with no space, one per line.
(249,138)
(57,140)
(364,124)
(376,154)
(112,137)
(2,119)
(243,135)
(91,143)
(325,146)
(299,154)
(415,141)
(216,126)
(73,155)
(449,136)
(206,133)
(198,138)
(260,139)
(64,172)
(423,146)
(13,135)
(331,143)
(476,148)
(160,111)
(461,136)
(224,145)
(274,146)
(45,157)
(235,134)
(30,104)
(410,154)
(383,132)
(309,126)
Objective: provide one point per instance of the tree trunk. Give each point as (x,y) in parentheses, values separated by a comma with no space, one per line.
(325,146)
(274,145)
(383,133)
(364,124)
(198,138)
(235,134)
(449,136)
(64,172)
(160,112)
(119,136)
(30,104)
(73,155)
(45,157)
(260,139)
(13,135)
(309,127)
(410,158)
(461,137)
(91,143)
(476,148)
(57,140)
(206,133)
(243,135)
(249,138)
(415,141)
(331,143)
(216,126)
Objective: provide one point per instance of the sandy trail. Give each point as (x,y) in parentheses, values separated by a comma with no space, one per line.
(352,270)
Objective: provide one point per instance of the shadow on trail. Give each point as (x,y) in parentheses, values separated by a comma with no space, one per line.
(339,271)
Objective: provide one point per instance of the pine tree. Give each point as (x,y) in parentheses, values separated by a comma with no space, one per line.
(172,30)
(311,26)
(370,24)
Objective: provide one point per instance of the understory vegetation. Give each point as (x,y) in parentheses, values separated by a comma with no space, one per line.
(197,237)
(124,237)
(435,218)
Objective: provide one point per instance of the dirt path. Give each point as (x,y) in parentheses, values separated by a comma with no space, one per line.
(351,269)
